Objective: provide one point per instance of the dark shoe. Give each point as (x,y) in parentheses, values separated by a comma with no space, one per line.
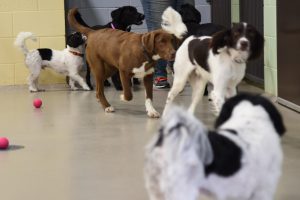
(117,81)
(136,81)
(106,83)
(161,83)
(88,78)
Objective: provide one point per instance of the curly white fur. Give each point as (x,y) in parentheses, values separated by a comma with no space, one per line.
(63,62)
(177,156)
(172,23)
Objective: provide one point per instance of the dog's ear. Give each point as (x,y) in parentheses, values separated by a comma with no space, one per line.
(115,14)
(148,40)
(220,40)
(257,45)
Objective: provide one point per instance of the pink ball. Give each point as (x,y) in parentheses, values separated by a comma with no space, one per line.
(37,103)
(3,143)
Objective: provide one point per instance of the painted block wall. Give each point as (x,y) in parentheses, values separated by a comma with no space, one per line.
(44,18)
(235,10)
(98,12)
(270,29)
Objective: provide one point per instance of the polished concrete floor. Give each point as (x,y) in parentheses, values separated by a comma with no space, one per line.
(71,150)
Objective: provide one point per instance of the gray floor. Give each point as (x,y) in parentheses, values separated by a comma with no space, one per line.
(71,150)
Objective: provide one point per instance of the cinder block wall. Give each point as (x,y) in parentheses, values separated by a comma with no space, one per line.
(270,30)
(46,19)
(98,12)
(235,11)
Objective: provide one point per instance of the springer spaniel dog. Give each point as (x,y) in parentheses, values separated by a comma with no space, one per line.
(241,159)
(67,62)
(220,60)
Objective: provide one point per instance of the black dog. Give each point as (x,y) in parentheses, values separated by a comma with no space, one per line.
(122,18)
(192,18)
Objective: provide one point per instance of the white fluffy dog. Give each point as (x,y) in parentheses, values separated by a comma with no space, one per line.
(67,62)
(220,59)
(241,159)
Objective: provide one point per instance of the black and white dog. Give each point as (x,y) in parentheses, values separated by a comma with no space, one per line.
(241,159)
(67,62)
(191,17)
(122,18)
(220,60)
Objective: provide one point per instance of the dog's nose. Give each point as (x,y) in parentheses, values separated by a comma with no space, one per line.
(142,17)
(244,45)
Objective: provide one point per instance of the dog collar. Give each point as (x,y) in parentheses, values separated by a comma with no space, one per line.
(76,53)
(146,54)
(112,26)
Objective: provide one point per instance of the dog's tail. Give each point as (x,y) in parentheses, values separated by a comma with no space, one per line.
(76,22)
(172,23)
(179,152)
(20,41)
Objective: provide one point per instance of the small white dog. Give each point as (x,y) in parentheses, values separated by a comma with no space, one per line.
(241,159)
(67,62)
(220,59)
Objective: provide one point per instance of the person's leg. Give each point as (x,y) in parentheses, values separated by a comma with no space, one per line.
(153,11)
(161,75)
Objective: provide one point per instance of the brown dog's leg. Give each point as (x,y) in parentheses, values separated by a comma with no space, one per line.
(98,69)
(148,82)
(127,93)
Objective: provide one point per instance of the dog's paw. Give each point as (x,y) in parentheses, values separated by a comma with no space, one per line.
(119,88)
(86,89)
(33,90)
(109,109)
(74,88)
(122,97)
(214,109)
(153,114)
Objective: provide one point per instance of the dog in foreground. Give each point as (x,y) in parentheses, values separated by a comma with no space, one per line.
(133,54)
(67,62)
(241,159)
(220,60)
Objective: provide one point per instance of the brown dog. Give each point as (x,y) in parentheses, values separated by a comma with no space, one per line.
(133,54)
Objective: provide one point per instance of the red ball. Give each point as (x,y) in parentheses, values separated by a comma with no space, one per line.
(4,143)
(37,103)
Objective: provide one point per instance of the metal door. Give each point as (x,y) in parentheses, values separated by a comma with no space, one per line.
(288,52)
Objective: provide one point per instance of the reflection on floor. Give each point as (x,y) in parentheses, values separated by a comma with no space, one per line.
(71,150)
